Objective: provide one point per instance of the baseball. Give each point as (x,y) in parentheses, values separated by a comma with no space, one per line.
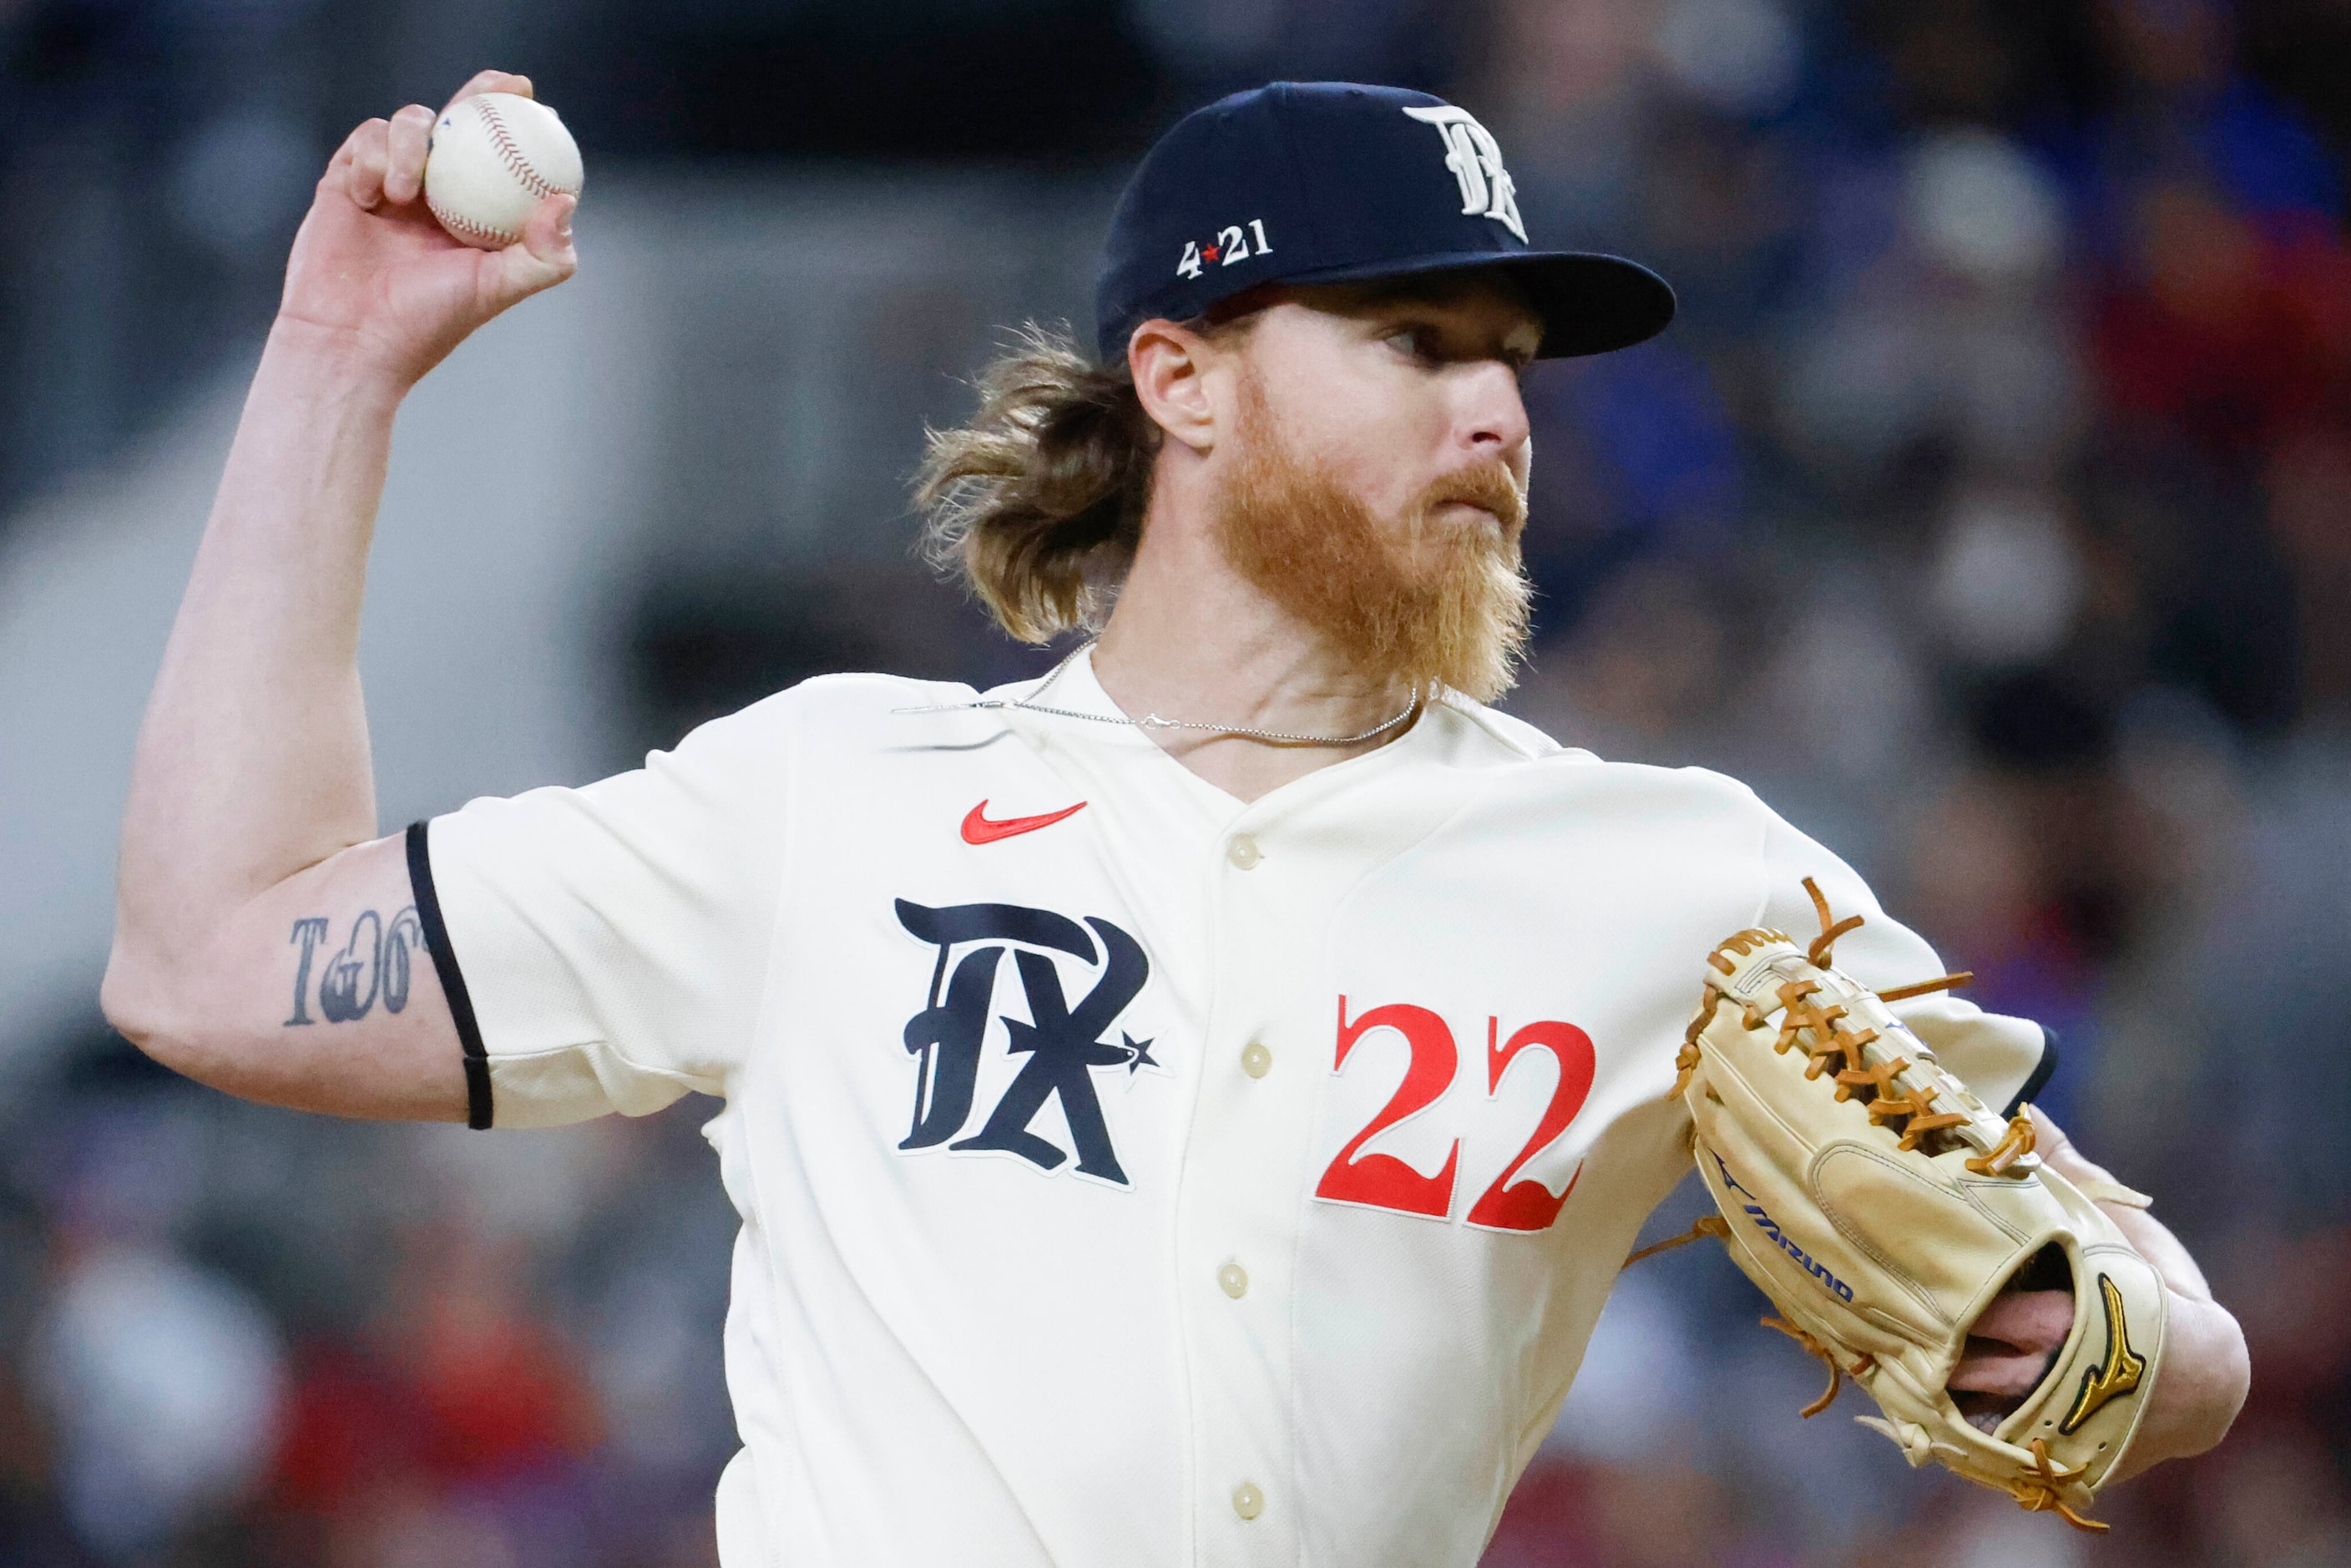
(491,159)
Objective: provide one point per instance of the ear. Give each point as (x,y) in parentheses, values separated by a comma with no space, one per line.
(1170,364)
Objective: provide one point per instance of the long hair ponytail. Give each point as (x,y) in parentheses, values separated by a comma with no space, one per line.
(1037,501)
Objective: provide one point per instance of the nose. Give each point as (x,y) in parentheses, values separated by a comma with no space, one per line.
(1491,414)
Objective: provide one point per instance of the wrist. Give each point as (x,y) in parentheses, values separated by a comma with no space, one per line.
(334,360)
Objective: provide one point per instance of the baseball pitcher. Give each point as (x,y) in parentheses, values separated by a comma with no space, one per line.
(1190,1106)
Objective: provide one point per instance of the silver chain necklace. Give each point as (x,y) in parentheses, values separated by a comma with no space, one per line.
(1153,721)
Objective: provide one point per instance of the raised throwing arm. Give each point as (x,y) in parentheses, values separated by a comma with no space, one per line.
(265,941)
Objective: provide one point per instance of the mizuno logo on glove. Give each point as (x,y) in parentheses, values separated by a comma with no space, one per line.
(1771,1227)
(2113,1377)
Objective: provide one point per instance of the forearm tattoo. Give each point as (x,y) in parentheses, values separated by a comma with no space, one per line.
(376,961)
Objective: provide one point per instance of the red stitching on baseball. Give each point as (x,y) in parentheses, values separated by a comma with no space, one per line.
(510,154)
(451,220)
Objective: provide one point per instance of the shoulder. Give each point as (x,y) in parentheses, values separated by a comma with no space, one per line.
(1477,735)
(726,786)
(744,762)
(1523,782)
(834,710)
(849,699)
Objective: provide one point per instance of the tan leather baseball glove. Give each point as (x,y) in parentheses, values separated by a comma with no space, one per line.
(1882,1208)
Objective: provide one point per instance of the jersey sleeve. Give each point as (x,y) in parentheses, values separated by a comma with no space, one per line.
(2005,1060)
(606,948)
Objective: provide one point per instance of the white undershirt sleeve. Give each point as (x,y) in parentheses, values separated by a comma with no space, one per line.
(606,948)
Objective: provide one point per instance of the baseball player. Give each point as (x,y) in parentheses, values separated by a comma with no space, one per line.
(1186,1107)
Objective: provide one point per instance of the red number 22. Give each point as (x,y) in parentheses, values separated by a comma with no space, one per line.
(1383,1181)
(1529,1206)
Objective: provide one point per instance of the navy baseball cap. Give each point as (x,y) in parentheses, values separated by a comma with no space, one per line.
(1338,182)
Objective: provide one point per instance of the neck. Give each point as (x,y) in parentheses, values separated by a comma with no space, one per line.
(1190,639)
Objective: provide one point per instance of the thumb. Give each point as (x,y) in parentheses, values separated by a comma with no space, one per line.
(2061,1153)
(543,257)
(2048,1138)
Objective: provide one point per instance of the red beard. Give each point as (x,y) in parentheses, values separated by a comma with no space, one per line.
(1409,600)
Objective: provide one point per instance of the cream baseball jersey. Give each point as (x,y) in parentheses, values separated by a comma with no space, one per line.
(1127,1174)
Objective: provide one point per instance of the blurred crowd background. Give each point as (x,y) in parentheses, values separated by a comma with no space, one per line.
(1987,509)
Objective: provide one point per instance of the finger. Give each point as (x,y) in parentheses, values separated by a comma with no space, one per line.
(1998,1369)
(405,144)
(364,178)
(2047,1135)
(544,256)
(491,81)
(2035,1320)
(2060,1153)
(547,232)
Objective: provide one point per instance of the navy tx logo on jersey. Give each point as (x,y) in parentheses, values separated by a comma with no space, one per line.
(1062,1043)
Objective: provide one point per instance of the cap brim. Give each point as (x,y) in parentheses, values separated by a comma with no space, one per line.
(1590,303)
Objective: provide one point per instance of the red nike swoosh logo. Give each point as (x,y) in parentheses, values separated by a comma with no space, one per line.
(978,829)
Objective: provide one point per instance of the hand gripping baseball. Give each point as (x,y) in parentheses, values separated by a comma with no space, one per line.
(1907,1237)
(375,273)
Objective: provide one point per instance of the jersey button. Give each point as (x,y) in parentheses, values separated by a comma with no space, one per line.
(1256,1060)
(1233,1279)
(1242,851)
(1248,1501)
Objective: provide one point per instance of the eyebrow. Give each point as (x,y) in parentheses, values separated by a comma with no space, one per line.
(1439,289)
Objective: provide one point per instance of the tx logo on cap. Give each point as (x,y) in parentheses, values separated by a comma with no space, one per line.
(1476,160)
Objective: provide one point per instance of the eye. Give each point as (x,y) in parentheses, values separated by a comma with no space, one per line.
(1417,342)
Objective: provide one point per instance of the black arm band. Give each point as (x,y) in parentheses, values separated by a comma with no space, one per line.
(452,979)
